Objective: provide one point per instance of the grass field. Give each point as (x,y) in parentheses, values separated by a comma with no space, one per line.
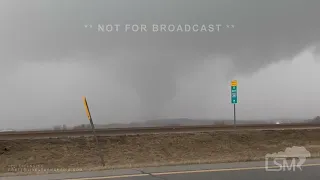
(149,150)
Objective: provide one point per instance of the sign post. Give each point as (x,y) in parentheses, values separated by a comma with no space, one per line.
(234,98)
(92,126)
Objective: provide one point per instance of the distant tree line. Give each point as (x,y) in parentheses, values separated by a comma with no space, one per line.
(82,126)
(64,127)
(60,127)
(316,120)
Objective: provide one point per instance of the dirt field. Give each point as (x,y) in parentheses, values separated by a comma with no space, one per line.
(63,154)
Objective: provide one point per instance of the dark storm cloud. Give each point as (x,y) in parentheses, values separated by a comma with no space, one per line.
(51,30)
(264,30)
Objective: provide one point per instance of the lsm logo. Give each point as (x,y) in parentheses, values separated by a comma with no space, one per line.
(289,160)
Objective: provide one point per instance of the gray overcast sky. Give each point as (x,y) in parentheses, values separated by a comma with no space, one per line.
(49,60)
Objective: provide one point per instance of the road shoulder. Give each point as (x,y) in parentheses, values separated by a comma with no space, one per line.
(154,171)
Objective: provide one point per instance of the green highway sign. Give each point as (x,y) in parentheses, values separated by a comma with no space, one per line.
(234,99)
(234,92)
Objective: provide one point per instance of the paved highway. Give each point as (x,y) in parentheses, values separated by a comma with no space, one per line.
(226,171)
(150,130)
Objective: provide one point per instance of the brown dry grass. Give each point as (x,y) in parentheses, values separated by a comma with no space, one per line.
(153,149)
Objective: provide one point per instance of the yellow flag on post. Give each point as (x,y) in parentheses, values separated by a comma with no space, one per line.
(92,126)
(86,107)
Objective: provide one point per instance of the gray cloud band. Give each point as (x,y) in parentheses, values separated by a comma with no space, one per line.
(52,30)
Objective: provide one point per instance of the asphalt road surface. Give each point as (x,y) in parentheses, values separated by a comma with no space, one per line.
(227,171)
